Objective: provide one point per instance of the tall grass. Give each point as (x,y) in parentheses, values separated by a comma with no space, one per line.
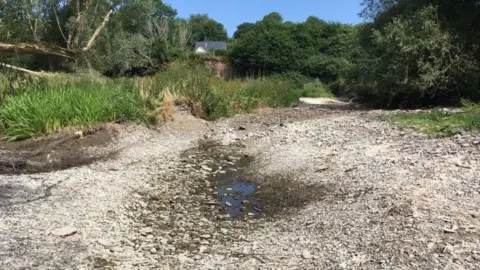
(43,112)
(43,105)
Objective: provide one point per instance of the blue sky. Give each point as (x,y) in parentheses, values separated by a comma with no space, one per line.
(234,12)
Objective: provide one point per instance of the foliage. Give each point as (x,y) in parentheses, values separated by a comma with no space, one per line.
(417,53)
(313,48)
(316,89)
(43,112)
(206,29)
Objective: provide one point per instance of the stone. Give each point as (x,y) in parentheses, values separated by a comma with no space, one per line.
(228,204)
(206,168)
(205,236)
(322,168)
(146,230)
(306,254)
(64,231)
(225,142)
(105,243)
(182,258)
(153,250)
(202,249)
(451,230)
(79,134)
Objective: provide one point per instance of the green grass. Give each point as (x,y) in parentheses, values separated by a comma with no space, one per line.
(439,123)
(43,112)
(38,106)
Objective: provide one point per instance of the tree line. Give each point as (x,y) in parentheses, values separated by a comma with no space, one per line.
(406,52)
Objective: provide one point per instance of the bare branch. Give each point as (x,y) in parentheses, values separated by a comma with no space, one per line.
(97,32)
(58,23)
(36,73)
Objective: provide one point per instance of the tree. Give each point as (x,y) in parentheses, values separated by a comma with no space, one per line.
(206,29)
(418,52)
(314,48)
(242,29)
(36,16)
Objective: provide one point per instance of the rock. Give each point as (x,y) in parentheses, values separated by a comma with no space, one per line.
(223,230)
(451,230)
(322,168)
(205,236)
(182,258)
(448,249)
(242,128)
(153,250)
(202,249)
(206,168)
(225,142)
(64,231)
(79,134)
(228,204)
(306,254)
(105,243)
(146,230)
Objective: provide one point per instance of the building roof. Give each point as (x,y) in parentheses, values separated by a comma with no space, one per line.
(211,45)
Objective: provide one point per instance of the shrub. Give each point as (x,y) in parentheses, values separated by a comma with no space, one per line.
(295,78)
(316,89)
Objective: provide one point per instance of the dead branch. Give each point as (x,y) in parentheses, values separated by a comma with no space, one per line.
(97,32)
(36,73)
(58,24)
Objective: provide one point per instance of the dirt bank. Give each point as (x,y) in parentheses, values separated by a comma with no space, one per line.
(303,188)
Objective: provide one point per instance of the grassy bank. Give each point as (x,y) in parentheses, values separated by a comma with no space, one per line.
(32,106)
(441,123)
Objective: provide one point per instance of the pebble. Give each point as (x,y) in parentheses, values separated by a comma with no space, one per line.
(206,168)
(105,243)
(153,250)
(182,258)
(64,231)
(306,254)
(146,230)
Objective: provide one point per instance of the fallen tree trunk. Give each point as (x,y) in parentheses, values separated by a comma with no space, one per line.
(25,48)
(38,48)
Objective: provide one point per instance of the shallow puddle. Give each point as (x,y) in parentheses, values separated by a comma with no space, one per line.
(238,192)
(236,197)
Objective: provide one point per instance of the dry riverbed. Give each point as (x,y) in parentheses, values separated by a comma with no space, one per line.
(299,188)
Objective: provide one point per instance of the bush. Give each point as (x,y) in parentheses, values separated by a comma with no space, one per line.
(409,62)
(316,89)
(295,78)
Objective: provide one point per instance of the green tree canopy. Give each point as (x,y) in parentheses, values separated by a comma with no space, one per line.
(206,29)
